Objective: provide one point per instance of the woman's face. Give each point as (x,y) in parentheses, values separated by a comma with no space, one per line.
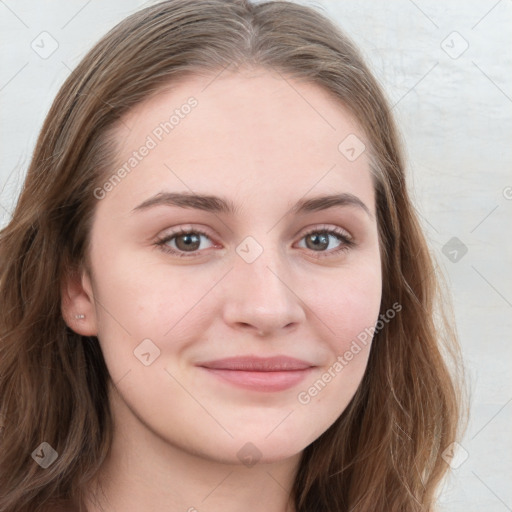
(255,270)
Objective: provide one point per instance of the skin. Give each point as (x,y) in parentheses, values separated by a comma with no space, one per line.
(263,142)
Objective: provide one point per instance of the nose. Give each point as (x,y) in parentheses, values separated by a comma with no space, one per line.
(261,297)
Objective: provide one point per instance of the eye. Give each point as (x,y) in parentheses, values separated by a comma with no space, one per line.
(187,242)
(183,241)
(320,238)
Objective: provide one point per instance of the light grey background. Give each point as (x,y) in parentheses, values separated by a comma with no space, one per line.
(446,67)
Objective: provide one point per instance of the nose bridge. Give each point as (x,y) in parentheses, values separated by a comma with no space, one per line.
(259,294)
(262,267)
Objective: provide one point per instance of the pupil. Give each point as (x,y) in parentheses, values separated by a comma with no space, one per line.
(321,241)
(188,240)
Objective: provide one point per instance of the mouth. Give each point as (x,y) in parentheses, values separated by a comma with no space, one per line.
(259,374)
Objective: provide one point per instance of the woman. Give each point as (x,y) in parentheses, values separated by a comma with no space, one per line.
(216,293)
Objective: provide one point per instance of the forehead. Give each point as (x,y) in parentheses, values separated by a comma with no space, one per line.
(258,134)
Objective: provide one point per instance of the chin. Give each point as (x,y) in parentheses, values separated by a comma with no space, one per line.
(252,452)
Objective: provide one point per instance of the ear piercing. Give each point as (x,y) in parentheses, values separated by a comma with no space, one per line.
(79,317)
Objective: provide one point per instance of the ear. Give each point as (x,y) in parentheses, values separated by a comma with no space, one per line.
(77,299)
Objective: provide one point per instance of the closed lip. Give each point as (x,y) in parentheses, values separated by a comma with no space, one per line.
(257,364)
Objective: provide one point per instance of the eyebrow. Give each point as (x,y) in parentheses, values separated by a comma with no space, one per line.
(218,204)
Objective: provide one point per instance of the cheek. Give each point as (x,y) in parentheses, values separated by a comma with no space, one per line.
(349,303)
(349,314)
(140,297)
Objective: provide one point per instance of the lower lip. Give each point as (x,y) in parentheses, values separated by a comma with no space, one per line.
(261,381)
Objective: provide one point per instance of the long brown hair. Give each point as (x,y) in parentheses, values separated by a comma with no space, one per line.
(384,453)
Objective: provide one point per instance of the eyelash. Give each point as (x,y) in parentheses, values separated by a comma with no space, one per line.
(346,242)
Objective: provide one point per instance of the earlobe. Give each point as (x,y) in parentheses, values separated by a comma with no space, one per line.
(77,303)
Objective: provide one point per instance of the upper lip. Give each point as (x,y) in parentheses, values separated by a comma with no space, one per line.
(258,364)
